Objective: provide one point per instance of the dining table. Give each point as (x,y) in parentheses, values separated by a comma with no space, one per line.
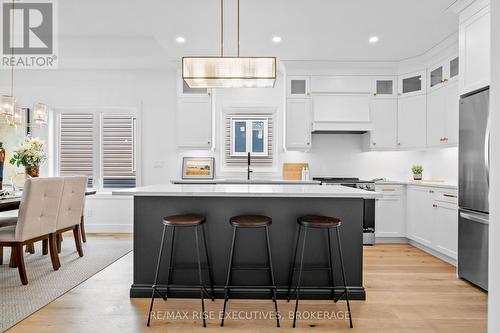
(12,202)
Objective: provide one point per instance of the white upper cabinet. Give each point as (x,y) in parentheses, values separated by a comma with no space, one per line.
(385,87)
(298,87)
(412,122)
(474,47)
(341,84)
(341,108)
(298,124)
(412,84)
(384,115)
(442,115)
(442,73)
(194,123)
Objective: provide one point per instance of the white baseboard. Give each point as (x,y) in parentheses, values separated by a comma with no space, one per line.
(109,228)
(404,240)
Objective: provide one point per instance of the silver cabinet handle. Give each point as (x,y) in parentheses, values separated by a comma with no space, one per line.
(475,218)
(487,148)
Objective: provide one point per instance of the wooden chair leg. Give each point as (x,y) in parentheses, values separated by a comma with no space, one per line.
(13,257)
(82,230)
(58,242)
(54,256)
(78,237)
(1,255)
(20,264)
(45,247)
(30,248)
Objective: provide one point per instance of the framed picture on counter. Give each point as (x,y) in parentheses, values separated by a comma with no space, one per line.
(198,168)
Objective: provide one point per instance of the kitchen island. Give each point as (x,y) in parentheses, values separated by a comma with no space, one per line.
(283,203)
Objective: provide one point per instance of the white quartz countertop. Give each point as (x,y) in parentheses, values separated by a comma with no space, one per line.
(245,182)
(249,190)
(437,184)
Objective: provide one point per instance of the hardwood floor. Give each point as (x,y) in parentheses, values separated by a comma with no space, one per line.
(408,291)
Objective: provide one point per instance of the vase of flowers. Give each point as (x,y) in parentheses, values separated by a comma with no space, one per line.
(31,154)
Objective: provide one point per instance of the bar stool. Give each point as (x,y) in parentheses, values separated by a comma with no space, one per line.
(327,223)
(250,221)
(183,221)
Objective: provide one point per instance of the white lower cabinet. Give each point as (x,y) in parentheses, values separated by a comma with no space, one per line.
(420,214)
(432,216)
(446,228)
(389,212)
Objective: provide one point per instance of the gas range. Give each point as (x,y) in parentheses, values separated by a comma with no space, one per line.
(367,185)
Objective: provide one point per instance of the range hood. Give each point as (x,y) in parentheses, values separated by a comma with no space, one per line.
(341,113)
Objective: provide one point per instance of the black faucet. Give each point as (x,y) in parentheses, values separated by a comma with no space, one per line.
(248,167)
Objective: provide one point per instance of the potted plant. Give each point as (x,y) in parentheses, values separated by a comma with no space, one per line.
(417,172)
(31,154)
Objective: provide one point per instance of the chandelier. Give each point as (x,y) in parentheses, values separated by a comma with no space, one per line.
(229,72)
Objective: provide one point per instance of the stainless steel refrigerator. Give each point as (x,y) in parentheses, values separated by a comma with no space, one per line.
(473,188)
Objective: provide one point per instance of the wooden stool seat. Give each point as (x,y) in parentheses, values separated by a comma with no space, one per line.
(250,221)
(318,221)
(184,220)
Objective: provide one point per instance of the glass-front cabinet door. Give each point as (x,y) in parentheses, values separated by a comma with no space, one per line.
(453,66)
(298,87)
(412,84)
(385,87)
(436,76)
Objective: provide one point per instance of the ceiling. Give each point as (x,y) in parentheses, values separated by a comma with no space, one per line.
(145,30)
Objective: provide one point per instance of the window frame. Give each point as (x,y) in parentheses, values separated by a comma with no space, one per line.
(135,112)
(249,120)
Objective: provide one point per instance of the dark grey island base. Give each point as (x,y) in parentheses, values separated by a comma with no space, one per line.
(250,250)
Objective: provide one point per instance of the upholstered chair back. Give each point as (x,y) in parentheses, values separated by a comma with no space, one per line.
(72,201)
(39,207)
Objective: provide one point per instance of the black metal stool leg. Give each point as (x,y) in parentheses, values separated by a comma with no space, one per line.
(330,264)
(271,273)
(210,274)
(156,275)
(343,277)
(170,263)
(228,279)
(292,267)
(300,276)
(198,255)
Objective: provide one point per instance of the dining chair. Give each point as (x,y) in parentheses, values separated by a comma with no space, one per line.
(71,208)
(36,221)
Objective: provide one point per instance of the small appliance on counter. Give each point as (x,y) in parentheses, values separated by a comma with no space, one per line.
(369,206)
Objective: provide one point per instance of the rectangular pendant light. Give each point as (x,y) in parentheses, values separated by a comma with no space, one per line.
(229,72)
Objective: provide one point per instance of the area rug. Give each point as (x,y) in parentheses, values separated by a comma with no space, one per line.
(45,285)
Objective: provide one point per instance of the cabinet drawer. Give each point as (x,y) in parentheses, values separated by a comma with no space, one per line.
(389,190)
(444,195)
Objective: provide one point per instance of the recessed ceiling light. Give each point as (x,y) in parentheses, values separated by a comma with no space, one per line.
(373,39)
(277,39)
(180,39)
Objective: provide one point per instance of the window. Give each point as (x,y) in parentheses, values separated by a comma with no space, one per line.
(100,145)
(249,133)
(249,136)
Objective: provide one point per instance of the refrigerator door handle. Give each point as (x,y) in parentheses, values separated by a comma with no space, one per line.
(487,148)
(475,218)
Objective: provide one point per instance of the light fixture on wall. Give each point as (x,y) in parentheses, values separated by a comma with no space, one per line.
(12,114)
(229,72)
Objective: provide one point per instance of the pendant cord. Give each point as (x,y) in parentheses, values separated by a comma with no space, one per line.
(238,28)
(222,28)
(12,50)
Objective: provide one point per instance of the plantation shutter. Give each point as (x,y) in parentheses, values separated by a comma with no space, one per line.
(76,145)
(118,151)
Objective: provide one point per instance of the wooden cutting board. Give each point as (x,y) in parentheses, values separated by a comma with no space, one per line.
(293,171)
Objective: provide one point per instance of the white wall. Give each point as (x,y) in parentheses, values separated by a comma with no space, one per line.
(494,251)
